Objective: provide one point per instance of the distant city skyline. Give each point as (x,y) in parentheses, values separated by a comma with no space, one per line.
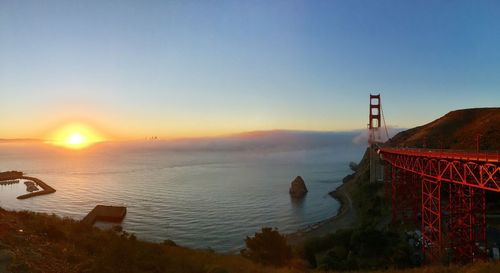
(176,69)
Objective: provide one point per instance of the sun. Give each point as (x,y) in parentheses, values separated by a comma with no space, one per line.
(75,136)
(75,139)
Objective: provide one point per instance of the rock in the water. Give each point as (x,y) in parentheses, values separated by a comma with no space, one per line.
(298,187)
(354,166)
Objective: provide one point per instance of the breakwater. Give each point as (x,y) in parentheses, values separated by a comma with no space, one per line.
(12,177)
(46,188)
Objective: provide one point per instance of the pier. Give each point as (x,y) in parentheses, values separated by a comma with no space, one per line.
(105,213)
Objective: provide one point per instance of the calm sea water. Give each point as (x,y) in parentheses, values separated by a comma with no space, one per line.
(209,194)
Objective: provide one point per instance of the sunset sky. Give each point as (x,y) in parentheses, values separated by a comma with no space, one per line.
(201,68)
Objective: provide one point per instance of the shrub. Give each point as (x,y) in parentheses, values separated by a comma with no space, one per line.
(169,243)
(268,247)
(354,249)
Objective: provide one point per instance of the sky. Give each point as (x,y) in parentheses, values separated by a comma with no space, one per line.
(176,69)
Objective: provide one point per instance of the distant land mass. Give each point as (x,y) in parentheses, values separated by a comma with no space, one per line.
(13,140)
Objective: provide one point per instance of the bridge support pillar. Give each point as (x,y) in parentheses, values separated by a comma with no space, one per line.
(388,169)
(466,223)
(405,197)
(431,219)
(376,167)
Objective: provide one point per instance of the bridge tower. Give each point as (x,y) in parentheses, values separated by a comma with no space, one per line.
(374,138)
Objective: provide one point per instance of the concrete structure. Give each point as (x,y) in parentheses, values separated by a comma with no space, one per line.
(105,213)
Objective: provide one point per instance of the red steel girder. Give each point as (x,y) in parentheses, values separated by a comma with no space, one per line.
(483,172)
(468,176)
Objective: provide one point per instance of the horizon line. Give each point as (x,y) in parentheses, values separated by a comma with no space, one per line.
(252,133)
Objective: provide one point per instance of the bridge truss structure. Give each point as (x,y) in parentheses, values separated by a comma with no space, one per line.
(444,190)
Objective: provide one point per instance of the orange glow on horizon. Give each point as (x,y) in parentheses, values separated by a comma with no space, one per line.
(75,136)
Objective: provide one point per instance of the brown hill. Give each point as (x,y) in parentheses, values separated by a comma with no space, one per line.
(455,130)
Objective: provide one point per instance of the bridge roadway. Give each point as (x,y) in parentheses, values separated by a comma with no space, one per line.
(476,169)
(483,156)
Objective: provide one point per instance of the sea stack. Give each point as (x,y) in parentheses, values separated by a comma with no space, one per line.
(298,188)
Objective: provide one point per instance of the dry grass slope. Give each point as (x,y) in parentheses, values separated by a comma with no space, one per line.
(456,130)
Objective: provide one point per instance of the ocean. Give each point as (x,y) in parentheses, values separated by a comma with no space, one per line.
(202,193)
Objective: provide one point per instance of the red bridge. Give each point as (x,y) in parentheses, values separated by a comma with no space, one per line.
(443,191)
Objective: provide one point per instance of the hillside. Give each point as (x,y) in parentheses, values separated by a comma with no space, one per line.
(455,130)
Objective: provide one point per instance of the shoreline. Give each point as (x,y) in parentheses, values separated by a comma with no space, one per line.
(346,217)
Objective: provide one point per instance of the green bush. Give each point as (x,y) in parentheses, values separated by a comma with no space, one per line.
(268,247)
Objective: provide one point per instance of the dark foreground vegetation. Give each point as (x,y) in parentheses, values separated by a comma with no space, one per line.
(362,249)
(32,242)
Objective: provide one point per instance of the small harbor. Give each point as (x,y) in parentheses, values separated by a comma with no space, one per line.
(32,184)
(46,189)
